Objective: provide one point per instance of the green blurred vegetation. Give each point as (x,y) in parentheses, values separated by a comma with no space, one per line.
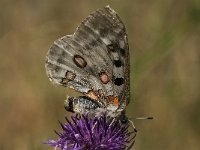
(164,39)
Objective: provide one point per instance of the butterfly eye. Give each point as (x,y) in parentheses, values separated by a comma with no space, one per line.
(76,109)
(79,61)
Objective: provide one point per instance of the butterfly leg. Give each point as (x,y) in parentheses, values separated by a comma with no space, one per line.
(124,119)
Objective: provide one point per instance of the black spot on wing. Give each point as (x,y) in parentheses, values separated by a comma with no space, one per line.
(94,43)
(116,48)
(103,32)
(122,51)
(60,61)
(117,63)
(119,81)
(112,47)
(57,68)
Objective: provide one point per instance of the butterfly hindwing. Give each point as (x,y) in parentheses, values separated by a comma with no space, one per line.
(94,58)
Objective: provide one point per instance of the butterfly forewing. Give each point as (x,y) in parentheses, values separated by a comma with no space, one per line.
(95,58)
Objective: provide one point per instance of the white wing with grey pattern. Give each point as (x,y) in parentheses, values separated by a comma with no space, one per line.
(94,58)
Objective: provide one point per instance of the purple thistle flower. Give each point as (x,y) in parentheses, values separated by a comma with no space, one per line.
(93,133)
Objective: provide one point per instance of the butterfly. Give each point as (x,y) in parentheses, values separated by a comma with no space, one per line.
(95,62)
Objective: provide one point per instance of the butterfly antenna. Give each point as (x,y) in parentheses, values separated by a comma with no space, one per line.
(134,128)
(142,118)
(138,118)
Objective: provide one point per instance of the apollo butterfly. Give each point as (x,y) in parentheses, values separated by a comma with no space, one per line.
(93,61)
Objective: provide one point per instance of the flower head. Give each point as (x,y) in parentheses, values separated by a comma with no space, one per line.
(93,133)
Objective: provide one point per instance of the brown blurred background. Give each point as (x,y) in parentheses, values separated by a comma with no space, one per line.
(164,39)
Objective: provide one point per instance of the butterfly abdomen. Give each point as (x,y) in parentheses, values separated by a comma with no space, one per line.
(81,104)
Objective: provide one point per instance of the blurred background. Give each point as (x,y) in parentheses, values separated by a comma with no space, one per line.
(164,40)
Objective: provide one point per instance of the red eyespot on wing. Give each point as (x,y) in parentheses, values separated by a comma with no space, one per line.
(79,61)
(104,77)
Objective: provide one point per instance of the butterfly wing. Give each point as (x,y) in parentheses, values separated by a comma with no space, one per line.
(95,59)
